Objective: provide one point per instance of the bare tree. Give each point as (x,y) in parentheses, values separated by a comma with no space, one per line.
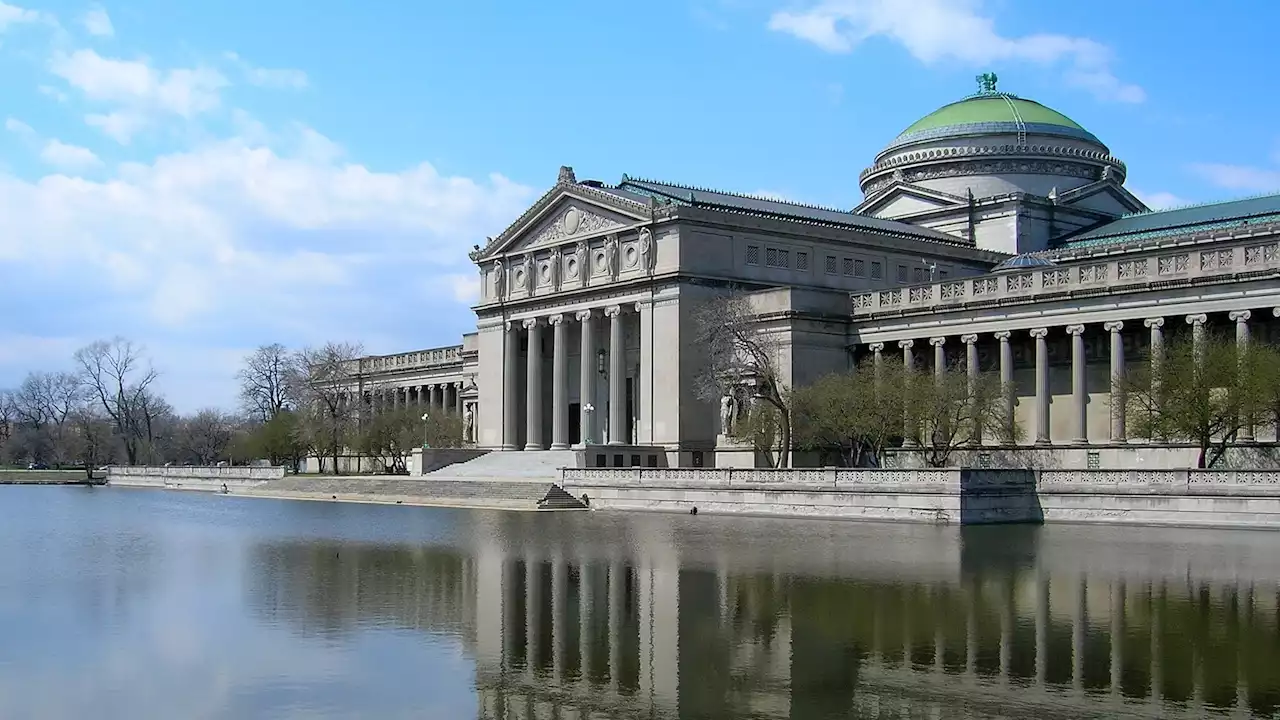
(95,442)
(857,412)
(41,407)
(738,350)
(329,391)
(1205,394)
(8,416)
(204,437)
(268,381)
(118,377)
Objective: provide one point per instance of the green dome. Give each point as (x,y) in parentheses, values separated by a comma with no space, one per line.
(992,113)
(987,109)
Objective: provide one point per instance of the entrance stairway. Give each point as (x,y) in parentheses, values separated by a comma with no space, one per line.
(516,466)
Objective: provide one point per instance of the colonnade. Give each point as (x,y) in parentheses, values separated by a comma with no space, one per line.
(1155,327)
(532,329)
(430,396)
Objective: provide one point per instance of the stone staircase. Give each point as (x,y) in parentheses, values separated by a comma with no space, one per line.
(515,466)
(523,494)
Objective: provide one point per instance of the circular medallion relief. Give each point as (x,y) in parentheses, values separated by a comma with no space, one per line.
(572,219)
(600,262)
(519,277)
(571,267)
(546,271)
(631,256)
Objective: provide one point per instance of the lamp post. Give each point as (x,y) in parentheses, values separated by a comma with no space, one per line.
(425,443)
(586,435)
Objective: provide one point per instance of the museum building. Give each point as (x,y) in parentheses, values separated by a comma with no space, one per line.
(995,233)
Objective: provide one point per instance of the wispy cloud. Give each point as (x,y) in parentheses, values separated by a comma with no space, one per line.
(97,22)
(16,126)
(1245,178)
(1159,200)
(14,15)
(69,157)
(937,31)
(269,77)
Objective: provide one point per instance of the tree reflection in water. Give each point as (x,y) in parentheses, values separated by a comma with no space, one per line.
(680,618)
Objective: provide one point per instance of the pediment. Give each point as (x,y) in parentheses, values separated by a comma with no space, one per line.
(901,199)
(1104,196)
(566,213)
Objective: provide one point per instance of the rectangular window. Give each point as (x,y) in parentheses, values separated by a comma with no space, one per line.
(877,272)
(848,266)
(902,273)
(918,275)
(859,268)
(771,257)
(802,261)
(753,254)
(831,265)
(784,258)
(943,274)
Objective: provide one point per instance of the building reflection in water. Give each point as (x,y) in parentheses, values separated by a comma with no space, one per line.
(661,622)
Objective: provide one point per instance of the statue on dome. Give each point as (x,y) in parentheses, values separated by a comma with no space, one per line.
(987,83)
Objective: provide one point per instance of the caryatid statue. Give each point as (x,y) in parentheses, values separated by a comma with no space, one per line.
(727,412)
(646,249)
(530,282)
(469,424)
(499,279)
(554,265)
(611,254)
(583,251)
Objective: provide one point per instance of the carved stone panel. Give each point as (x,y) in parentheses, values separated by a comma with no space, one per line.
(572,221)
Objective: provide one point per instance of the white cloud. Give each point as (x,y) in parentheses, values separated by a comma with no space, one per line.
(97,22)
(1159,200)
(936,31)
(16,126)
(14,15)
(1239,177)
(236,242)
(139,91)
(54,93)
(465,287)
(269,77)
(68,157)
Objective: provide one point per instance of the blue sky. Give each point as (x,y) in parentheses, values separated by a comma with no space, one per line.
(206,177)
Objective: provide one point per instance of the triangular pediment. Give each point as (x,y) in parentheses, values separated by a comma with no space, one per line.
(568,212)
(902,199)
(1105,196)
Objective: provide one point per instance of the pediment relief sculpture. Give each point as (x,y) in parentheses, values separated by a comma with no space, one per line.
(572,221)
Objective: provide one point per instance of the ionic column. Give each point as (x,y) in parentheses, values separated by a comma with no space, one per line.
(939,356)
(533,386)
(971,369)
(1117,380)
(617,383)
(1156,325)
(877,351)
(908,364)
(559,384)
(1079,391)
(1007,390)
(1042,385)
(510,381)
(1241,319)
(436,402)
(1197,322)
(587,374)
(457,398)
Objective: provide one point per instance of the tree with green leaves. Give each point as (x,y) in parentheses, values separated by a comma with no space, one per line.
(948,410)
(389,436)
(1203,392)
(858,412)
(281,440)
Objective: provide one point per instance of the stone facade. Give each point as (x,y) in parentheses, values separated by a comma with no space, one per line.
(585,330)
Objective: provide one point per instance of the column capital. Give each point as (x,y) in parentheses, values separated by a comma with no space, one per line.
(531,323)
(904,344)
(875,347)
(969,339)
(1002,335)
(510,325)
(1038,333)
(555,319)
(1075,329)
(613,311)
(937,341)
(1275,311)
(584,314)
(1240,315)
(1153,322)
(1197,319)
(1114,326)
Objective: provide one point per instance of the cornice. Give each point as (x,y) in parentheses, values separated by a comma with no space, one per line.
(586,193)
(965,152)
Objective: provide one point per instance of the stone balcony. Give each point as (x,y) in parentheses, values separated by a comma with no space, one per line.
(1186,264)
(415,360)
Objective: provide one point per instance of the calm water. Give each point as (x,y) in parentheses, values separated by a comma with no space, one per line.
(145,604)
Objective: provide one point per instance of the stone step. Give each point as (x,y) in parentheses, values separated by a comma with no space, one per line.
(499,465)
(557,498)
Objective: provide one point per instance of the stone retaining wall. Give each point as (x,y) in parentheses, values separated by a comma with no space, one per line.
(1225,498)
(193,478)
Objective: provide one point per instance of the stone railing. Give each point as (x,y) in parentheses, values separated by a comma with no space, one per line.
(412,360)
(1190,482)
(189,473)
(1085,277)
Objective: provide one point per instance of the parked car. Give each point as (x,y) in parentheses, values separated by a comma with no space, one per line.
(37,466)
